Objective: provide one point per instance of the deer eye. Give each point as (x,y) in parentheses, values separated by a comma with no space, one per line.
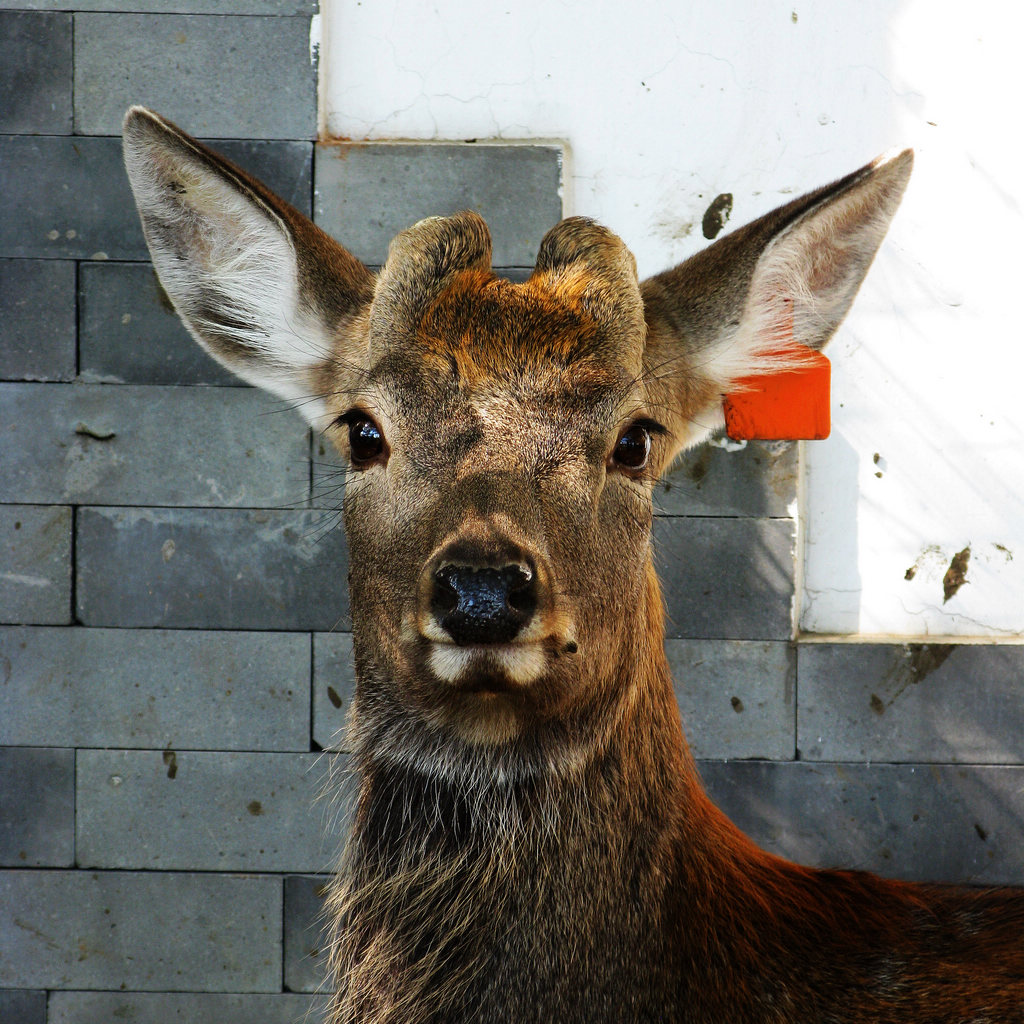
(365,439)
(634,445)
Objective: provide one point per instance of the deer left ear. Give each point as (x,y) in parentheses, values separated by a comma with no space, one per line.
(258,285)
(785,279)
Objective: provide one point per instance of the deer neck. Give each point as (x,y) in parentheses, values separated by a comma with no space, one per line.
(538,871)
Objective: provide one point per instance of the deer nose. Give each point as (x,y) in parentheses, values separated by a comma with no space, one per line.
(483,605)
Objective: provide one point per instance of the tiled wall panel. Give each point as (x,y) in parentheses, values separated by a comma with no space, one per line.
(176,810)
(37,335)
(264,86)
(365,195)
(140,931)
(91,444)
(155,689)
(35,87)
(35,563)
(37,807)
(219,568)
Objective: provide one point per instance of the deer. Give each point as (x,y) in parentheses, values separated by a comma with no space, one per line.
(531,840)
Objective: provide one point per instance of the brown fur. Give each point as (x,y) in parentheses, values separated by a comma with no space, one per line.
(531,840)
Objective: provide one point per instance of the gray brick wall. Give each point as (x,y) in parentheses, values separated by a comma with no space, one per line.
(175,661)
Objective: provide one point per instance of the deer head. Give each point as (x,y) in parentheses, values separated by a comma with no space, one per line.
(502,439)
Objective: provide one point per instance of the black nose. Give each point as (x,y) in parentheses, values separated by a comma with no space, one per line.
(483,606)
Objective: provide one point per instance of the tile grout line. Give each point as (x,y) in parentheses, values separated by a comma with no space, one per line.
(796,700)
(312,693)
(74,23)
(73,570)
(78,320)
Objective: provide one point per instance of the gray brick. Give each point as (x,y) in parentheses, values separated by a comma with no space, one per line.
(89,212)
(202,690)
(129,332)
(22,1006)
(913,702)
(305,933)
(35,564)
(211,811)
(736,697)
(211,569)
(334,687)
(920,822)
(367,193)
(184,1008)
(197,70)
(37,320)
(757,480)
(35,80)
(282,8)
(37,805)
(730,578)
(150,445)
(151,931)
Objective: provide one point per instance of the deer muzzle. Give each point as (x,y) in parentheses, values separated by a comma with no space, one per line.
(485,604)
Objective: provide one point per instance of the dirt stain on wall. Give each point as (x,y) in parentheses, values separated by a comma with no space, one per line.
(716,216)
(915,664)
(956,574)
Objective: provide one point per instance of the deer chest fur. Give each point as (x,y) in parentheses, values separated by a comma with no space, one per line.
(508,904)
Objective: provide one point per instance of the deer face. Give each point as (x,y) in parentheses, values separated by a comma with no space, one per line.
(502,454)
(502,439)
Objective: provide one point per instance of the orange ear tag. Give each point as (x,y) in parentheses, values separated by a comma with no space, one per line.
(789,406)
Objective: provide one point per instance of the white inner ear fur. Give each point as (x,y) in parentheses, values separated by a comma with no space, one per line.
(801,288)
(212,242)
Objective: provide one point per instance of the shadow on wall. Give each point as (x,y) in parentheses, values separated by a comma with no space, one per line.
(923,822)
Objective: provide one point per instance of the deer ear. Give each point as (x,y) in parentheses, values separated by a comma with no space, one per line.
(259,286)
(789,276)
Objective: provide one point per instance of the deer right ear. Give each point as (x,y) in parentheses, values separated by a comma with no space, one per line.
(737,308)
(258,285)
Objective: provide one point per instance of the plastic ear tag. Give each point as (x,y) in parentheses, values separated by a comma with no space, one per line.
(792,405)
